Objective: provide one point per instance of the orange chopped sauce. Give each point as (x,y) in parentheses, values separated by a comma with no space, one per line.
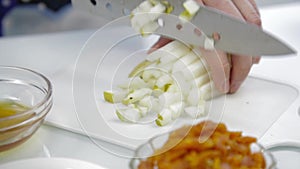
(207,145)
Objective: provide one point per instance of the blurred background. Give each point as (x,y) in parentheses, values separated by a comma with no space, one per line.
(26,17)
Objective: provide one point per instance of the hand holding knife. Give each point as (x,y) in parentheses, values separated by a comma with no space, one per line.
(237,23)
(239,34)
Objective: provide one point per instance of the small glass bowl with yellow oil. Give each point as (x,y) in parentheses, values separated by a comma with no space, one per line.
(25,100)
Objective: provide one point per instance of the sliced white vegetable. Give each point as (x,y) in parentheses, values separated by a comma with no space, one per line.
(194,70)
(184,61)
(151,83)
(157,92)
(175,54)
(149,102)
(185,16)
(209,43)
(177,109)
(137,83)
(157,54)
(145,6)
(182,84)
(129,114)
(133,84)
(139,20)
(156,11)
(191,6)
(167,68)
(124,86)
(173,45)
(199,81)
(158,8)
(156,108)
(114,97)
(167,99)
(164,80)
(152,73)
(136,95)
(172,79)
(138,70)
(164,117)
(148,28)
(145,102)
(143,18)
(143,111)
(193,97)
(173,88)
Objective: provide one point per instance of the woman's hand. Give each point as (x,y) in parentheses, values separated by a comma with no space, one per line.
(228,71)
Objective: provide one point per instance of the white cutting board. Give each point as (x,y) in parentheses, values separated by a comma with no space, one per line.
(79,106)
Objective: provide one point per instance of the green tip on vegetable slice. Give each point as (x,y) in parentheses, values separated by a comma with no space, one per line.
(186,16)
(108,96)
(166,87)
(158,122)
(139,68)
(126,101)
(121,117)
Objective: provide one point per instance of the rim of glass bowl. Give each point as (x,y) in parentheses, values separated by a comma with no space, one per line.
(269,158)
(46,98)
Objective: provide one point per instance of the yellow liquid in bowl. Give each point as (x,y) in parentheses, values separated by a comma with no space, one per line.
(11,108)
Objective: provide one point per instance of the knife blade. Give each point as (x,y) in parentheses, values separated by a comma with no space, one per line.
(236,36)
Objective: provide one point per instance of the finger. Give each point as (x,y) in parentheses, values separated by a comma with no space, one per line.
(226,6)
(219,67)
(256,59)
(160,43)
(230,8)
(248,11)
(255,6)
(241,66)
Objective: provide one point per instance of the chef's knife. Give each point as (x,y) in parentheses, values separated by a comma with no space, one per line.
(236,36)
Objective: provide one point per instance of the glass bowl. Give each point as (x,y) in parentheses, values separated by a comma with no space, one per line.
(287,154)
(25,100)
(148,149)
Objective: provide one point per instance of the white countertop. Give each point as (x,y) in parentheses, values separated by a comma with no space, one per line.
(282,21)
(52,53)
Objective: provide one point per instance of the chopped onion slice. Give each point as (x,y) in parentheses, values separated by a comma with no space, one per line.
(209,43)
(129,114)
(191,6)
(171,80)
(114,97)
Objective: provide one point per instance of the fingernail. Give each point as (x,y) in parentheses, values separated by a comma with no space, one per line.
(224,87)
(235,86)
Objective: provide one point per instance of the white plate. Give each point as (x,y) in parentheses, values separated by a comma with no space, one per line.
(50,163)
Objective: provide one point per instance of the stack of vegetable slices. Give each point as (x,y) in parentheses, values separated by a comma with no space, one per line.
(170,82)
